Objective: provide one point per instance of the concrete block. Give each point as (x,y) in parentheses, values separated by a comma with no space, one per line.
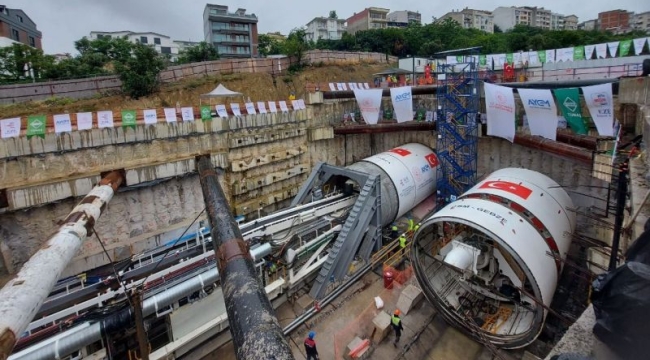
(382,327)
(409,297)
(305,302)
(315,98)
(351,346)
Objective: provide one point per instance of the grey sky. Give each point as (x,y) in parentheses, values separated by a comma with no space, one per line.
(64,21)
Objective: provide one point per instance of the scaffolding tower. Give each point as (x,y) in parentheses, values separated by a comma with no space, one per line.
(458,108)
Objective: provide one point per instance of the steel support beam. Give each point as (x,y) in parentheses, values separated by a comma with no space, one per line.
(22,297)
(255,330)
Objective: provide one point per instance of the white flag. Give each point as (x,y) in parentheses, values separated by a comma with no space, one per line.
(10,128)
(187,113)
(150,116)
(541,111)
(500,103)
(261,106)
(62,123)
(250,108)
(638,45)
(272,107)
(84,121)
(221,111)
(369,102)
(613,48)
(105,119)
(283,106)
(589,51)
(601,51)
(550,56)
(564,54)
(235,109)
(402,98)
(600,103)
(170,115)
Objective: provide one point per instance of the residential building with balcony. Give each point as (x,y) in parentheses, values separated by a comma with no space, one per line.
(507,17)
(325,28)
(162,43)
(561,22)
(234,34)
(471,19)
(17,27)
(369,18)
(616,21)
(641,21)
(588,25)
(403,18)
(571,22)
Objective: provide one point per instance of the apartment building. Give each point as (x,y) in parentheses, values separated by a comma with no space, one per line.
(368,18)
(588,25)
(561,22)
(507,17)
(641,21)
(471,19)
(162,43)
(234,34)
(17,27)
(403,18)
(325,28)
(616,21)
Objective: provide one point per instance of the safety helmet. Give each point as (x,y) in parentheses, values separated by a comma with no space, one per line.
(312,334)
(397,312)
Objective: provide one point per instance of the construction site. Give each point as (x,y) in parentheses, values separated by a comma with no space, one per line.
(237,215)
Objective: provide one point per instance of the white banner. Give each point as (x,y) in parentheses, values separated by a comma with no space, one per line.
(10,128)
(283,106)
(84,121)
(150,116)
(500,103)
(564,54)
(638,45)
(221,111)
(261,106)
(499,60)
(272,107)
(402,98)
(589,51)
(550,56)
(600,103)
(105,119)
(170,115)
(235,109)
(369,102)
(533,58)
(613,48)
(62,123)
(601,51)
(541,111)
(187,113)
(250,108)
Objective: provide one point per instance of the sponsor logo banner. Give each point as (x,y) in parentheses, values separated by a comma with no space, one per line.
(500,112)
(541,111)
(369,102)
(600,103)
(402,98)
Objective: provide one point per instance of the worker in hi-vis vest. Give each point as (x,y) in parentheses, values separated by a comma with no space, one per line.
(394,231)
(402,244)
(397,326)
(411,224)
(416,227)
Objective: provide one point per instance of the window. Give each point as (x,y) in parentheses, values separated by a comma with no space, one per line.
(156,41)
(100,36)
(32,41)
(20,18)
(15,35)
(144,40)
(165,50)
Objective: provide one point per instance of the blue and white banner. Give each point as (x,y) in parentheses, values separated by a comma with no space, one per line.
(500,111)
(600,103)
(369,102)
(402,98)
(541,111)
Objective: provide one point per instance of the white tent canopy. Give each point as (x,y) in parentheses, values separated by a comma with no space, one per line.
(221,92)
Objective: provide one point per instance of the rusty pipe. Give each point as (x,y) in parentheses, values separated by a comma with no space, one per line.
(255,330)
(554,147)
(583,141)
(23,295)
(349,94)
(383,128)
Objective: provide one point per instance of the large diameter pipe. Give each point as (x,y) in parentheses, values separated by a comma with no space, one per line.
(22,296)
(255,330)
(554,147)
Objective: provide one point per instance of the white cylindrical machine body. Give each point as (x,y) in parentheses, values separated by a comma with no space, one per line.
(529,216)
(408,176)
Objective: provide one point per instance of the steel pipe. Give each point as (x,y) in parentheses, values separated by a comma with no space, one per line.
(583,141)
(22,296)
(255,330)
(349,94)
(383,128)
(554,147)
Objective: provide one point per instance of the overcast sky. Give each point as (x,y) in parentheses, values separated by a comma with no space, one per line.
(64,21)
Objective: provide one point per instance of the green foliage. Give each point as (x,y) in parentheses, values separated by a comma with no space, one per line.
(139,71)
(333,15)
(18,61)
(199,53)
(296,45)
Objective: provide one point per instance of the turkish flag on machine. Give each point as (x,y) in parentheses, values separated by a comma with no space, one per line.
(432,159)
(513,188)
(400,151)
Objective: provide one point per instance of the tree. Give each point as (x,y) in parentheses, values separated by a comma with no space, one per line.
(296,44)
(497,29)
(139,71)
(198,53)
(19,62)
(266,45)
(333,15)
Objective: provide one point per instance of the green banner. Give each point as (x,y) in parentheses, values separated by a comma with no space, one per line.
(624,47)
(510,58)
(578,53)
(206,113)
(482,60)
(459,59)
(36,126)
(541,55)
(569,101)
(128,119)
